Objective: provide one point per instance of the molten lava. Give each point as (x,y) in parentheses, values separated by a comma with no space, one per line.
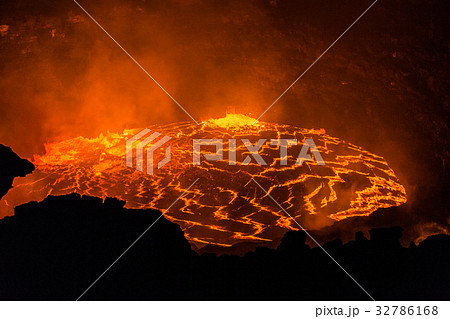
(224,207)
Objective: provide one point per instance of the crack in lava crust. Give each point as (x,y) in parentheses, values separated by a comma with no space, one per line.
(224,207)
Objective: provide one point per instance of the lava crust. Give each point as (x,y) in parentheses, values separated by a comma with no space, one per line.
(225,206)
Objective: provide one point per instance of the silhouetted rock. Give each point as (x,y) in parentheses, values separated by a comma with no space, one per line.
(239,249)
(333,245)
(11,166)
(389,237)
(293,240)
(55,249)
(359,236)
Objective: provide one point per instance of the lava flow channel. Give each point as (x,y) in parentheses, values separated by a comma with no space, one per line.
(225,206)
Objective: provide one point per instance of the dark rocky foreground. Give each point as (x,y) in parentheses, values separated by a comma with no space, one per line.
(55,249)
(11,166)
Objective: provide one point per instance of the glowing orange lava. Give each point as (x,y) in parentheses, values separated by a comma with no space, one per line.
(224,207)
